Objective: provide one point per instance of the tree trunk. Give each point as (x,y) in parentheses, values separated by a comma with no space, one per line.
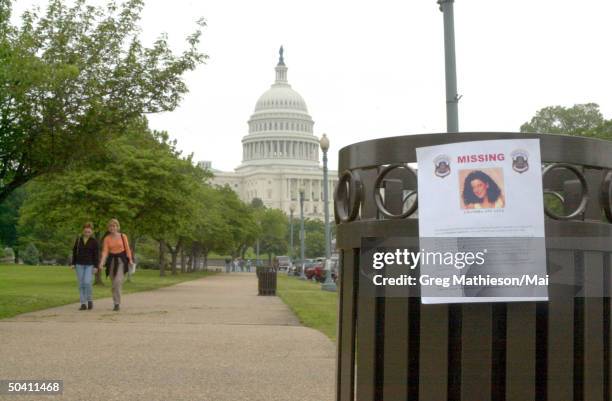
(162,258)
(182,260)
(174,253)
(189,262)
(174,257)
(194,257)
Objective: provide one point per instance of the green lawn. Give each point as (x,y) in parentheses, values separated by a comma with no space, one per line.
(315,308)
(29,288)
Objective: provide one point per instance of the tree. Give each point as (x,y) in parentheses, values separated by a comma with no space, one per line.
(257,203)
(314,240)
(576,120)
(581,119)
(143,182)
(9,216)
(315,244)
(273,239)
(210,231)
(31,255)
(75,77)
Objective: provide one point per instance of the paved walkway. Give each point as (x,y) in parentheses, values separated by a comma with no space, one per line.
(211,339)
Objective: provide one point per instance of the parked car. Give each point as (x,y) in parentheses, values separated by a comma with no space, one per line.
(319,270)
(282,262)
(296,269)
(315,270)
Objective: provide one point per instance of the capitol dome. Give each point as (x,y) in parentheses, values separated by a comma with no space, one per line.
(281,96)
(280,128)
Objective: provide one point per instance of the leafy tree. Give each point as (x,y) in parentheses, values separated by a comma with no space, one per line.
(143,182)
(9,217)
(257,203)
(31,255)
(273,238)
(209,229)
(74,77)
(602,131)
(580,119)
(315,244)
(241,220)
(314,240)
(53,242)
(10,254)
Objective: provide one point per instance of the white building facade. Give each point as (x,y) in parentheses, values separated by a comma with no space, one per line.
(280,154)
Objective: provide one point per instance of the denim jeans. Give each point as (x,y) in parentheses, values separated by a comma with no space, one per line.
(85,277)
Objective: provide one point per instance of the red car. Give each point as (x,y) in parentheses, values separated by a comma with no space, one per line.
(318,272)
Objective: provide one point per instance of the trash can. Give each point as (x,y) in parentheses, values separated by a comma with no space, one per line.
(398,349)
(266,279)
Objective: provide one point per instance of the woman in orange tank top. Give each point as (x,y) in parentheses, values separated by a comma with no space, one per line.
(116,257)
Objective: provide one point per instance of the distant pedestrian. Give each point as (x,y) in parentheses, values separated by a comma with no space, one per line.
(242,265)
(85,258)
(116,256)
(228,264)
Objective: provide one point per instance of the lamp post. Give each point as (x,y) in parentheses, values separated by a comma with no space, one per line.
(452,98)
(329,284)
(302,246)
(291,210)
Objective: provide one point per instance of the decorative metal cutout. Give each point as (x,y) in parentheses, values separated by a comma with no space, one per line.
(348,200)
(584,191)
(378,197)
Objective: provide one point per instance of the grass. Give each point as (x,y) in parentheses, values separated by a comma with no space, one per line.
(315,308)
(31,288)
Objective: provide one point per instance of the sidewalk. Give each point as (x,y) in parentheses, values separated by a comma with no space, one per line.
(211,339)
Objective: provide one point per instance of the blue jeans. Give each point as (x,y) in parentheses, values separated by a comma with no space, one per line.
(85,277)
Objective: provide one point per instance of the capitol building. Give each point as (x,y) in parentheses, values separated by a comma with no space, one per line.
(280,154)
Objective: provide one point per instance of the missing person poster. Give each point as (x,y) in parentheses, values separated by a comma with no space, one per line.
(482,202)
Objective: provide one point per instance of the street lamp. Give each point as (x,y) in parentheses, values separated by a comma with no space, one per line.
(329,284)
(302,246)
(291,210)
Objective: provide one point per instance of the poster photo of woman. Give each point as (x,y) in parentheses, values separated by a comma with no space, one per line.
(482,189)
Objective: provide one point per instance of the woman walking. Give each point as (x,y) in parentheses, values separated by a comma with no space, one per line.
(116,256)
(85,258)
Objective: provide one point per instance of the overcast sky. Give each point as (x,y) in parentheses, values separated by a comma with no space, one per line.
(370,69)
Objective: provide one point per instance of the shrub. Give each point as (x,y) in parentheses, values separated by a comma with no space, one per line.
(31,255)
(9,255)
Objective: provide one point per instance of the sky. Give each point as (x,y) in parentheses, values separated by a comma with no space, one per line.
(372,69)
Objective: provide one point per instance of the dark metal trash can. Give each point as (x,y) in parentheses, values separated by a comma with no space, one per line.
(266,277)
(397,349)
